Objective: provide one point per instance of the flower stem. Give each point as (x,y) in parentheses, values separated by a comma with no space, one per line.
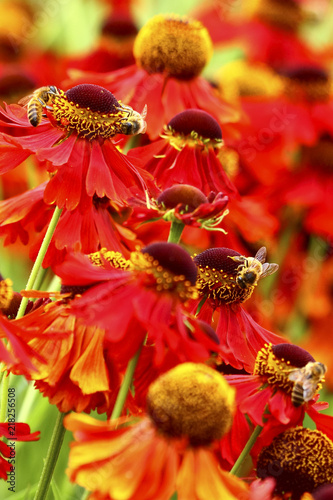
(123,391)
(4,398)
(51,458)
(176,230)
(39,260)
(247,448)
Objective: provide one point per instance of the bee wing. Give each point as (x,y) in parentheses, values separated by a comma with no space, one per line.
(144,112)
(24,101)
(309,389)
(268,269)
(238,258)
(295,374)
(261,255)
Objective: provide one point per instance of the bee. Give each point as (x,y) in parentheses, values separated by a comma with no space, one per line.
(37,101)
(252,269)
(306,381)
(134,123)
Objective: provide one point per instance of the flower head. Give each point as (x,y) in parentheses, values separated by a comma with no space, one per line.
(170,53)
(184,204)
(189,408)
(225,280)
(299,459)
(149,292)
(177,46)
(193,401)
(188,154)
(77,142)
(283,387)
(225,276)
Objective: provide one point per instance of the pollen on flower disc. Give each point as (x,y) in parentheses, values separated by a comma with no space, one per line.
(183,194)
(297,356)
(192,401)
(176,46)
(173,258)
(299,459)
(94,97)
(218,258)
(196,120)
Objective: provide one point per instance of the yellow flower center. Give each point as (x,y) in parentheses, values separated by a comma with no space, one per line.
(6,293)
(239,78)
(299,459)
(192,401)
(176,46)
(116,259)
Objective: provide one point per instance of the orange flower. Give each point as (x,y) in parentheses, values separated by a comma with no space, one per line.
(189,408)
(77,372)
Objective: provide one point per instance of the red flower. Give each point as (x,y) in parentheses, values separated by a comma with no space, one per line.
(148,295)
(184,204)
(170,54)
(77,141)
(226,279)
(268,398)
(192,137)
(18,355)
(267,30)
(85,229)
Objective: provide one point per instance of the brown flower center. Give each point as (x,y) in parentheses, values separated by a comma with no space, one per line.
(308,83)
(168,268)
(94,112)
(192,401)
(217,273)
(176,46)
(188,196)
(320,155)
(299,459)
(285,15)
(194,128)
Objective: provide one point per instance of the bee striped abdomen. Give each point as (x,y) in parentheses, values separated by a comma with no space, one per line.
(297,395)
(35,112)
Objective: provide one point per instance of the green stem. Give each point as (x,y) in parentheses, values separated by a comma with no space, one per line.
(4,398)
(175,233)
(247,448)
(51,458)
(125,386)
(40,278)
(39,260)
